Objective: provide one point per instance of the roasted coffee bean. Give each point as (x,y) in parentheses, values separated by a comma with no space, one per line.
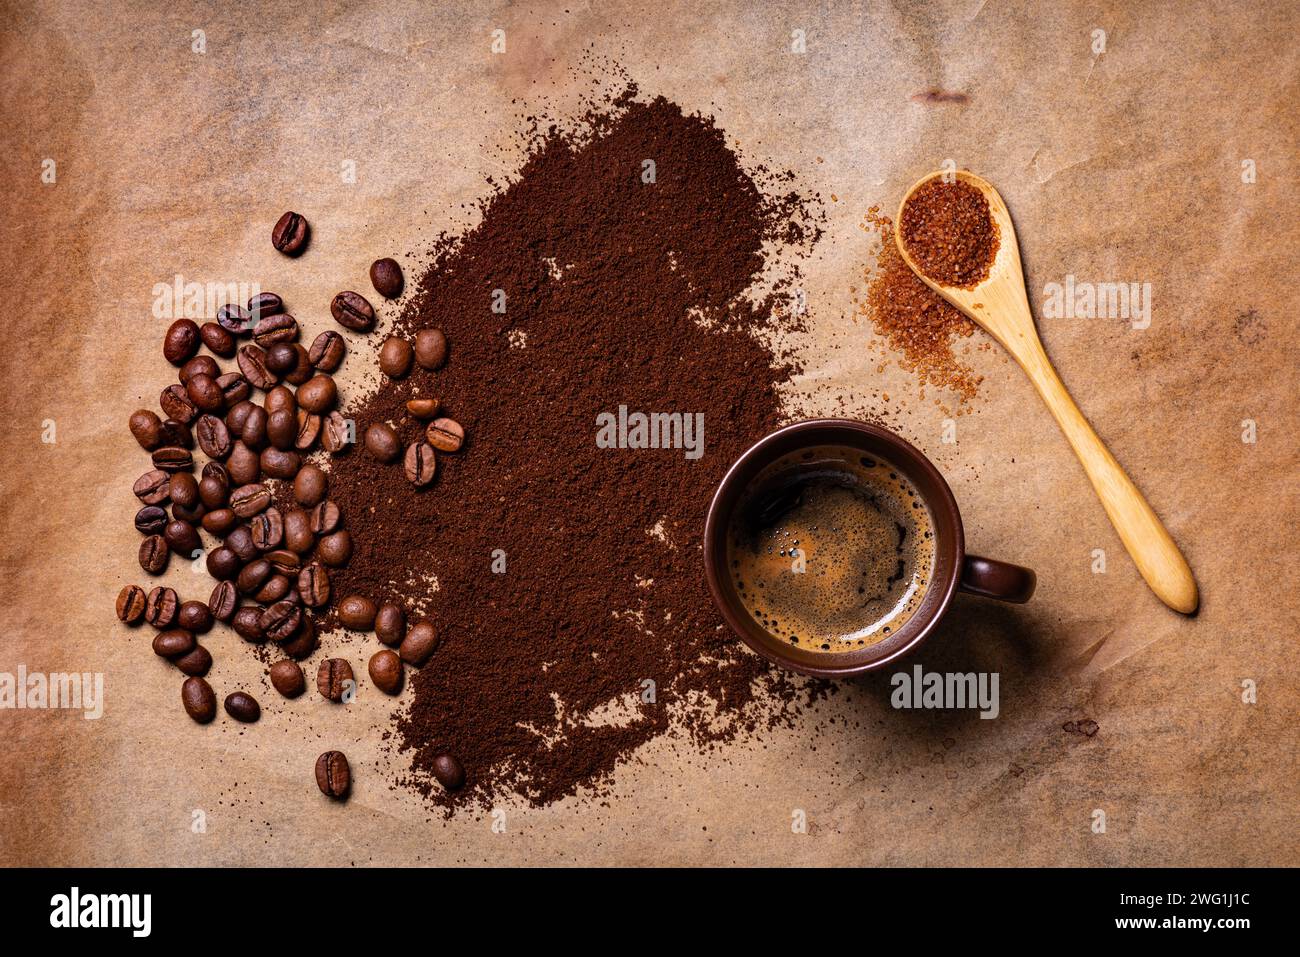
(284,562)
(325,518)
(268,529)
(253,576)
(281,397)
(182,537)
(183,490)
(240,541)
(382,442)
(290,234)
(256,429)
(298,536)
(314,585)
(333,776)
(247,623)
(199,365)
(195,616)
(449,771)
(223,601)
(252,363)
(151,519)
(176,432)
(445,435)
(181,341)
(352,311)
(161,607)
(214,437)
(234,388)
(282,428)
(357,612)
(177,404)
(337,433)
(217,472)
(146,427)
(131,604)
(244,465)
(287,678)
(386,671)
(319,394)
(277,588)
(327,351)
(193,514)
(152,487)
(304,370)
(390,623)
(430,348)
(173,643)
(281,620)
(395,357)
(309,426)
(218,340)
(248,500)
(223,564)
(335,549)
(421,463)
(196,664)
(279,464)
(386,277)
(219,521)
(234,319)
(334,679)
(274,330)
(205,393)
(237,415)
(420,642)
(154,554)
(172,458)
(280,358)
(214,492)
(199,700)
(242,707)
(304,644)
(265,304)
(423,408)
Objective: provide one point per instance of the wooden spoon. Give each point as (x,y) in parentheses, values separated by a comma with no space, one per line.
(999,306)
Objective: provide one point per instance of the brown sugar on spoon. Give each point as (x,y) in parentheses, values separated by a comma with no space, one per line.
(949,233)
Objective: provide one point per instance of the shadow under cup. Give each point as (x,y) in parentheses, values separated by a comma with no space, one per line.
(953,568)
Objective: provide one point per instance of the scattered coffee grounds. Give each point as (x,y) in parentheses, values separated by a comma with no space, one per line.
(913,319)
(949,233)
(572,615)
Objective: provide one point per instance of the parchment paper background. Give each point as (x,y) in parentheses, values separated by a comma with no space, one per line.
(1123,166)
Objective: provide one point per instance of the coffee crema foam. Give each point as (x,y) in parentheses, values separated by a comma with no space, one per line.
(831,549)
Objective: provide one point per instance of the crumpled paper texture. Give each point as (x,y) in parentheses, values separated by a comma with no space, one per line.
(1122,165)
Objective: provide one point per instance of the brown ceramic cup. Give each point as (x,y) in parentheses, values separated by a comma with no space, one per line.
(954,570)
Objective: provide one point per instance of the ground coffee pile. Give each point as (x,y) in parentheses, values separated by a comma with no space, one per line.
(618,292)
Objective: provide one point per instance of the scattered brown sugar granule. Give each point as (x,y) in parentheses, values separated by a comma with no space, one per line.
(949,233)
(913,319)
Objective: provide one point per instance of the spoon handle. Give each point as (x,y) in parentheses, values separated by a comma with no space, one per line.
(1147,540)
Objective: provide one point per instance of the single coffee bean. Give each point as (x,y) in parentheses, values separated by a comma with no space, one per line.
(205,393)
(234,388)
(268,529)
(214,491)
(275,330)
(326,517)
(223,564)
(152,519)
(252,363)
(214,437)
(234,319)
(241,542)
(192,514)
(386,277)
(182,537)
(173,643)
(304,370)
(449,772)
(199,700)
(199,365)
(390,623)
(309,426)
(281,620)
(334,678)
(217,473)
(333,776)
(287,678)
(218,340)
(298,536)
(357,612)
(314,585)
(285,562)
(181,341)
(177,404)
(421,463)
(131,604)
(420,642)
(154,554)
(281,398)
(247,623)
(183,490)
(395,357)
(253,576)
(161,607)
(445,435)
(176,432)
(196,664)
(430,348)
(386,671)
(172,458)
(282,428)
(319,394)
(290,234)
(248,500)
(280,358)
(219,521)
(244,464)
(224,601)
(310,485)
(195,616)
(257,426)
(243,707)
(382,442)
(277,588)
(279,464)
(337,433)
(152,487)
(335,549)
(352,311)
(265,304)
(327,351)
(147,428)
(237,415)
(423,408)
(304,644)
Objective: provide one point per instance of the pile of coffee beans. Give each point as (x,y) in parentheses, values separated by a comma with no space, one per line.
(273,534)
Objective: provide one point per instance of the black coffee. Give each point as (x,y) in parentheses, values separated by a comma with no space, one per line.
(831,550)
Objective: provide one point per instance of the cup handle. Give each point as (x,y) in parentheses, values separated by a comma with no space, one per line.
(1000,580)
